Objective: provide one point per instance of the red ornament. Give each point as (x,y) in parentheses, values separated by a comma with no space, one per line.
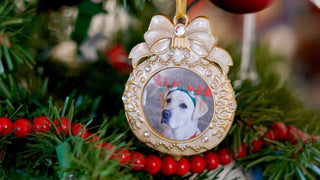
(280,130)
(224,156)
(23,128)
(270,135)
(123,156)
(212,160)
(118,58)
(78,129)
(153,164)
(5,126)
(242,6)
(183,166)
(256,145)
(91,137)
(168,165)
(197,164)
(107,147)
(64,125)
(138,161)
(41,124)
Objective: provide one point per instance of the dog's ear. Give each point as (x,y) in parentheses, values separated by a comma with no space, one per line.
(163,97)
(200,109)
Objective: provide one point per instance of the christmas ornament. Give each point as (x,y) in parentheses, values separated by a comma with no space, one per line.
(242,6)
(41,124)
(118,58)
(22,128)
(5,126)
(178,99)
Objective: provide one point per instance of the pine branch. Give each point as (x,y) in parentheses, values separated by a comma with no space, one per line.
(12,37)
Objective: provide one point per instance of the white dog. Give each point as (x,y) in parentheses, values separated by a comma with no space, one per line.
(180,114)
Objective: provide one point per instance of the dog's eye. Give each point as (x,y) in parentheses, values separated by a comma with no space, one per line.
(183,106)
(168,100)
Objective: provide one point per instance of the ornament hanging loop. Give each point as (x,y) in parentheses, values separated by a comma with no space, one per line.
(181,12)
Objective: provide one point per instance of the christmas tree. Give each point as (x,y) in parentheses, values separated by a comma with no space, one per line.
(63,69)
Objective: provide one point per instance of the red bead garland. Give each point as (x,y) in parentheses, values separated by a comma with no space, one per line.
(22,128)
(151,163)
(62,125)
(138,161)
(212,160)
(41,124)
(183,166)
(5,126)
(197,164)
(280,130)
(80,130)
(169,165)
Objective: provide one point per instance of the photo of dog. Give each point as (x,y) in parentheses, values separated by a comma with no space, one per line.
(181,113)
(173,109)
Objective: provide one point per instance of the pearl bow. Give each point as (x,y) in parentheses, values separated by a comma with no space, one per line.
(196,37)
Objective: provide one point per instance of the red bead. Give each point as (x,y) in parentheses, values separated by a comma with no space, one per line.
(280,130)
(242,6)
(41,124)
(292,134)
(256,145)
(64,125)
(123,156)
(197,164)
(22,128)
(168,165)
(91,137)
(212,160)
(106,148)
(242,151)
(302,136)
(270,135)
(183,166)
(5,126)
(153,164)
(224,156)
(138,161)
(78,129)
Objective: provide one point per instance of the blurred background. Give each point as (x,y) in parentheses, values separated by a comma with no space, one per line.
(87,42)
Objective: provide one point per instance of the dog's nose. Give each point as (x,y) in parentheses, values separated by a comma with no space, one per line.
(166,114)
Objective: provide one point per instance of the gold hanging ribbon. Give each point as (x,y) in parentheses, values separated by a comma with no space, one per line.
(181,11)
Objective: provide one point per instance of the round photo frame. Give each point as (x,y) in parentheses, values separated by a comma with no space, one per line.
(178,98)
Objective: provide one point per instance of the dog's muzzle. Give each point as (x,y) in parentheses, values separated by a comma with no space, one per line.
(166,114)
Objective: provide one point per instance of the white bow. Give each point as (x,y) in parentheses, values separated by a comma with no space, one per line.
(196,37)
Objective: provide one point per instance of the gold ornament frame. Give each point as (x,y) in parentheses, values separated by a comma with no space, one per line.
(183,46)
